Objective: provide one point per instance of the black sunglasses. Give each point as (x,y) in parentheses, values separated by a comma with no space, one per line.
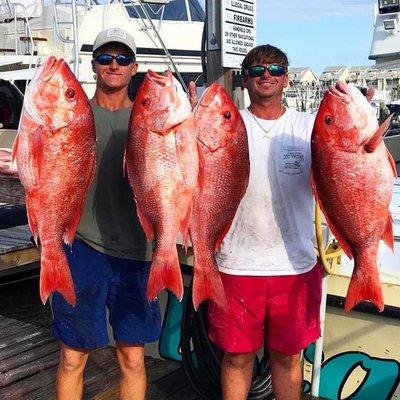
(258,70)
(121,59)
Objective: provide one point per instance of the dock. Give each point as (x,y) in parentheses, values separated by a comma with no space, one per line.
(29,353)
(17,250)
(11,190)
(29,356)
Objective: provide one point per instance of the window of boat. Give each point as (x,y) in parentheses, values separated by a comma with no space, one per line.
(197,10)
(175,10)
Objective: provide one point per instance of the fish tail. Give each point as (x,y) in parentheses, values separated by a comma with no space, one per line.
(55,276)
(165,273)
(365,284)
(207,283)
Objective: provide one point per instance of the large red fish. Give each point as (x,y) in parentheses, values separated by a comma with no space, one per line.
(55,150)
(353,175)
(162,165)
(225,160)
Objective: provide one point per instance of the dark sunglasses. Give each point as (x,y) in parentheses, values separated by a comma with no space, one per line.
(258,70)
(121,59)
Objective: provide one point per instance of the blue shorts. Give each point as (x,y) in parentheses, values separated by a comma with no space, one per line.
(102,281)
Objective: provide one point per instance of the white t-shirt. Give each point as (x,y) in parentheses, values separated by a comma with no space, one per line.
(272,231)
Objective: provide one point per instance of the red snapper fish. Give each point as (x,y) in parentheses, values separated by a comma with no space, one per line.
(224,156)
(55,151)
(161,160)
(352,176)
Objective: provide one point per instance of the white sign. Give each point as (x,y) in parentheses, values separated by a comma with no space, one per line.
(238,30)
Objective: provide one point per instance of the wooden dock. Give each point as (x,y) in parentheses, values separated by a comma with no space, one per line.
(29,353)
(11,190)
(16,247)
(29,356)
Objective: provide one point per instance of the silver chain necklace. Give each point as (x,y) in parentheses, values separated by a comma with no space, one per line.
(266,131)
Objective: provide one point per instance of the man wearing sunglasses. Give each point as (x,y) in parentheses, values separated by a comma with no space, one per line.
(109,258)
(267,260)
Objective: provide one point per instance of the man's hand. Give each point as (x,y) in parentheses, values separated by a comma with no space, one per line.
(370,93)
(192,94)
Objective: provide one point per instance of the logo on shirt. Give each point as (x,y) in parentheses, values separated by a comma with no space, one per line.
(291,160)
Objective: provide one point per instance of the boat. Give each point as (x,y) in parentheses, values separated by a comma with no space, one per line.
(167,34)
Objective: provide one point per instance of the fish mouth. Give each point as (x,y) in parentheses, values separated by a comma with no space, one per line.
(50,67)
(43,73)
(176,105)
(208,96)
(342,91)
(163,79)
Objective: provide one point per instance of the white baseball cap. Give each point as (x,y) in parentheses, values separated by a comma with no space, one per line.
(114,35)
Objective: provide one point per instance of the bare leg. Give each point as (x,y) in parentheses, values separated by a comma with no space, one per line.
(69,381)
(237,370)
(133,372)
(286,375)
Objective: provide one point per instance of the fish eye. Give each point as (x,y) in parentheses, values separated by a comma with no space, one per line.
(70,93)
(146,102)
(227,115)
(329,120)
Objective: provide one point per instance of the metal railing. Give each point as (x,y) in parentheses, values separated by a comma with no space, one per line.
(147,25)
(72,24)
(10,10)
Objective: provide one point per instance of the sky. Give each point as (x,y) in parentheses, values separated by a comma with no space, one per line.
(318,33)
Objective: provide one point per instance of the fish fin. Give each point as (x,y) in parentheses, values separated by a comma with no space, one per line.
(165,273)
(35,142)
(207,283)
(69,234)
(222,234)
(15,149)
(55,275)
(365,284)
(184,226)
(186,152)
(124,171)
(73,226)
(146,224)
(202,166)
(392,163)
(93,171)
(32,221)
(345,246)
(387,236)
(378,135)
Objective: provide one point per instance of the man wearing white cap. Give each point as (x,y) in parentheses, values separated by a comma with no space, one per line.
(110,257)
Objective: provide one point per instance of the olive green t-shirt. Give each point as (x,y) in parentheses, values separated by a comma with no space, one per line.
(109,222)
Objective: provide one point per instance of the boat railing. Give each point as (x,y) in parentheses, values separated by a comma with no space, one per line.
(14,11)
(166,51)
(148,26)
(72,24)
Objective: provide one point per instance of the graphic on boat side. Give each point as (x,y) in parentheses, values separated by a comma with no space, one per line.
(380,379)
(369,377)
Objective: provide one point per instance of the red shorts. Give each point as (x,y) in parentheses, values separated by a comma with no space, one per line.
(281,310)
